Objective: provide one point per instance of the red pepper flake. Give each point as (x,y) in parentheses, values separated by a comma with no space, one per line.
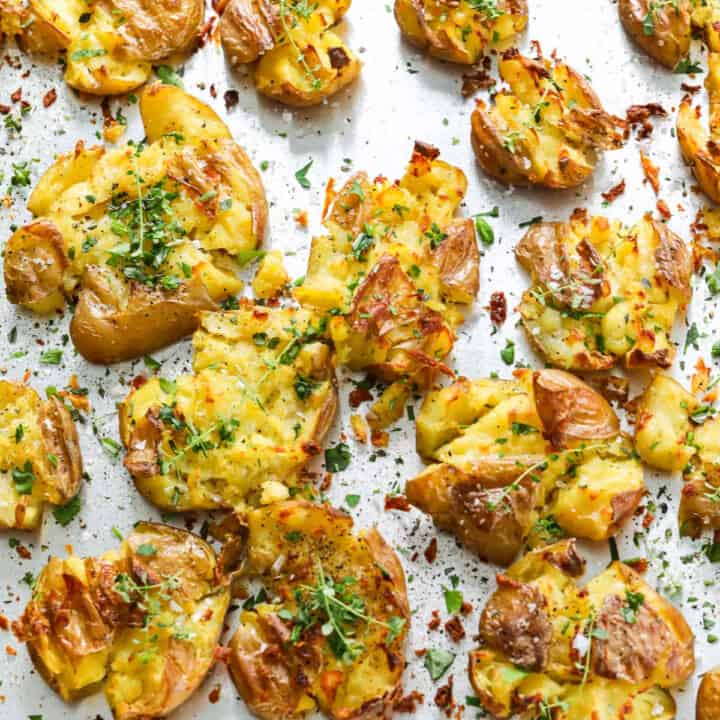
(498,308)
(379,438)
(434,624)
(651,171)
(16,97)
(466,608)
(663,209)
(647,520)
(614,192)
(358,396)
(688,88)
(638,564)
(214,695)
(301,218)
(4,109)
(50,97)
(4,622)
(409,702)
(431,551)
(222,654)
(10,650)
(24,553)
(454,628)
(639,115)
(444,695)
(397,502)
(138,381)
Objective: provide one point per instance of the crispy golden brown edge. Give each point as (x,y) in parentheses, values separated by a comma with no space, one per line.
(670,40)
(708,697)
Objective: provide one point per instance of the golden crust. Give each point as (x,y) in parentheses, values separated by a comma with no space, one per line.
(41,460)
(708,697)
(143,621)
(663,31)
(547,129)
(547,642)
(457,32)
(302,61)
(591,294)
(201,197)
(501,452)
(262,398)
(110,49)
(280,675)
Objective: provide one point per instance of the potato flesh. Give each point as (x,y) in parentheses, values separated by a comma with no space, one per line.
(323,536)
(635,312)
(236,379)
(271,277)
(506,688)
(459,32)
(377,257)
(547,128)
(490,430)
(20,417)
(151,668)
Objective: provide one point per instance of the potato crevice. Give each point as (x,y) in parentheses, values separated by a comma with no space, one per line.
(548,128)
(551,647)
(301,60)
(603,293)
(145,235)
(523,461)
(241,428)
(328,630)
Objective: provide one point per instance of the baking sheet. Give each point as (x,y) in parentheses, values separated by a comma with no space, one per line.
(402,96)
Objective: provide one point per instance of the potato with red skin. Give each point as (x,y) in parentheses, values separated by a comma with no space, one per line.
(547,129)
(662,30)
(460,32)
(138,291)
(516,462)
(301,60)
(614,643)
(40,450)
(291,547)
(143,621)
(602,293)
(109,50)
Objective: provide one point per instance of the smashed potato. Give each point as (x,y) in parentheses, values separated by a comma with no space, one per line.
(708,698)
(393,271)
(462,31)
(523,461)
(145,235)
(40,451)
(240,428)
(109,45)
(603,292)
(328,633)
(662,28)
(610,649)
(143,620)
(548,128)
(301,59)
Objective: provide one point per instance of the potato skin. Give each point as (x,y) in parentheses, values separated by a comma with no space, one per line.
(669,40)
(556,147)
(421,22)
(500,451)
(85,621)
(533,621)
(708,697)
(279,679)
(253,30)
(108,327)
(126,312)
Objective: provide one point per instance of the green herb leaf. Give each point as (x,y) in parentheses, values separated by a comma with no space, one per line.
(23,478)
(687,67)
(437,662)
(352,500)
(453,600)
(301,176)
(168,76)
(484,231)
(64,514)
(508,352)
(86,53)
(337,458)
(147,550)
(51,357)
